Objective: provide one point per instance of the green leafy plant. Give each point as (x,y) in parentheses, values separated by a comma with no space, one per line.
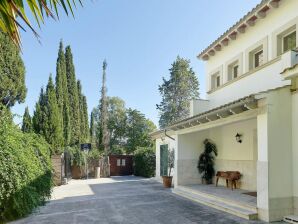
(12,10)
(206,161)
(25,170)
(144,162)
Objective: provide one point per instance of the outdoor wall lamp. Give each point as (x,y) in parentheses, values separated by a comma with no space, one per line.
(238,138)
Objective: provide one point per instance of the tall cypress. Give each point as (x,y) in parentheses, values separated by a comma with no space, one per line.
(82,114)
(73,97)
(27,122)
(53,131)
(62,94)
(40,118)
(86,122)
(92,132)
(104,123)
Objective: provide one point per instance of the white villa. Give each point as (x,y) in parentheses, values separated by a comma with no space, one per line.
(252,82)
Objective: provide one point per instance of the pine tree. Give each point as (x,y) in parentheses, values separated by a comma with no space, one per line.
(73,97)
(53,132)
(62,94)
(104,123)
(177,92)
(27,122)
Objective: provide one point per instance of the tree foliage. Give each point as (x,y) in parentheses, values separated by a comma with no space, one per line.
(27,122)
(53,131)
(104,122)
(13,10)
(128,128)
(177,92)
(12,73)
(62,95)
(61,112)
(73,97)
(25,170)
(144,162)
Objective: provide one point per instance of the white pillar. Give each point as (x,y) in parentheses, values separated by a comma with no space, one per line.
(274,169)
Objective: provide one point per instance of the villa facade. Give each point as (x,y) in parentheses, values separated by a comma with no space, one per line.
(252,80)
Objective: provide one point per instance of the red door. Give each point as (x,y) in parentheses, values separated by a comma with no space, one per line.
(121,165)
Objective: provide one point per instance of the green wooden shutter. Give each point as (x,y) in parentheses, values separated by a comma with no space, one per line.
(163,160)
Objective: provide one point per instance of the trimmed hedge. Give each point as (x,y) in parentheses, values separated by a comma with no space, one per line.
(144,162)
(25,170)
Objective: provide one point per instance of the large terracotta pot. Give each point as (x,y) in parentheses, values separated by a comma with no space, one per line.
(167,181)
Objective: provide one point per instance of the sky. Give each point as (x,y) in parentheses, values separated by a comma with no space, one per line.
(140,39)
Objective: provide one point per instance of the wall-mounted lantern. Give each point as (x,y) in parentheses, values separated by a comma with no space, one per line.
(238,138)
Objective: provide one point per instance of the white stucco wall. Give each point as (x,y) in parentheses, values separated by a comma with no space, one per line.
(295,148)
(171,144)
(190,147)
(231,154)
(275,180)
(266,30)
(234,156)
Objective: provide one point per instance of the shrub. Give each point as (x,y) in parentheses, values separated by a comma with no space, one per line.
(144,162)
(25,170)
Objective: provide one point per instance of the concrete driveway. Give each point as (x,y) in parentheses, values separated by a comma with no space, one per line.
(124,200)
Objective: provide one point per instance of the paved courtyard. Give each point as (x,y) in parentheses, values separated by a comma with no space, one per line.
(124,200)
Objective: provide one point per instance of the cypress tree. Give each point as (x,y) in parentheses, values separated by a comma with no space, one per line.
(62,94)
(27,122)
(82,114)
(73,97)
(53,132)
(92,132)
(86,122)
(40,118)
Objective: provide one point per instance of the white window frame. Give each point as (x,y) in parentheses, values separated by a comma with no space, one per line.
(123,162)
(254,58)
(214,78)
(283,37)
(252,50)
(118,162)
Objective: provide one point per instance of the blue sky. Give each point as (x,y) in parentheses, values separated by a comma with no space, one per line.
(140,39)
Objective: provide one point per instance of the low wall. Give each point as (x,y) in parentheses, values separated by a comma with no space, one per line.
(246,168)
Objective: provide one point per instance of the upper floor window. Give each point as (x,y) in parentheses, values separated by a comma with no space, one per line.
(233,70)
(258,58)
(215,80)
(289,41)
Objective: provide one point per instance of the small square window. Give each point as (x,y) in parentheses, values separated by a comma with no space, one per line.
(118,162)
(123,162)
(289,41)
(258,58)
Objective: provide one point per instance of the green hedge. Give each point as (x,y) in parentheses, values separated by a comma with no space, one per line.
(144,162)
(25,170)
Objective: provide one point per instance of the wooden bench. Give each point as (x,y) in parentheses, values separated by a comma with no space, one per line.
(229,176)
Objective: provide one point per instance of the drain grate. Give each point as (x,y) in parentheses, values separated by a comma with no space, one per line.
(291,219)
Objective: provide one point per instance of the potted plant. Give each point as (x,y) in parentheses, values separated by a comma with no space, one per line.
(167,180)
(206,162)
